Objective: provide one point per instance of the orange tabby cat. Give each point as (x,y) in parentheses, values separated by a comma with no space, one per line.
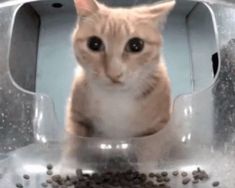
(122,88)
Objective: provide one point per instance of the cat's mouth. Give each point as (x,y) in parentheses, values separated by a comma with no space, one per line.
(116,83)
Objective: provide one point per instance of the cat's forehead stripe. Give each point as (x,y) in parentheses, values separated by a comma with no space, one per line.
(110,25)
(113,25)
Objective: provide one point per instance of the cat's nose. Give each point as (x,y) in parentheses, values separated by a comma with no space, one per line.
(114,70)
(115,78)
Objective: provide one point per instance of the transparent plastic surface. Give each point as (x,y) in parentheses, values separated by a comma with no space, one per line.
(201,131)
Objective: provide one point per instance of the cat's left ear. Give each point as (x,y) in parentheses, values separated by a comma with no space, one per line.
(86,7)
(158,11)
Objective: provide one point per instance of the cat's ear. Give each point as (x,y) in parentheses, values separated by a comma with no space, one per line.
(158,11)
(86,7)
(160,8)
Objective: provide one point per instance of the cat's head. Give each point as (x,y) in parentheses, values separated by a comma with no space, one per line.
(116,45)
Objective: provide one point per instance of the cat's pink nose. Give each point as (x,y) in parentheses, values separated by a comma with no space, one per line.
(115,78)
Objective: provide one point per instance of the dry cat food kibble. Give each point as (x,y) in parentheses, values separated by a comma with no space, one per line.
(160,179)
(25,176)
(158,175)
(186,181)
(166,179)
(200,175)
(175,173)
(164,174)
(195,181)
(125,179)
(215,184)
(184,174)
(49,172)
(49,166)
(19,185)
(49,181)
(151,175)
(44,185)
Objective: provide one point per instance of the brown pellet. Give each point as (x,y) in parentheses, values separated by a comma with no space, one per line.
(19,185)
(49,181)
(151,175)
(175,173)
(25,176)
(44,184)
(164,173)
(166,179)
(49,166)
(215,183)
(162,185)
(200,175)
(56,178)
(194,172)
(158,175)
(186,181)
(184,174)
(196,176)
(149,183)
(204,174)
(49,172)
(159,180)
(142,177)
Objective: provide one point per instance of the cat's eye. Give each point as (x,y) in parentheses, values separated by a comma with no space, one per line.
(135,45)
(95,44)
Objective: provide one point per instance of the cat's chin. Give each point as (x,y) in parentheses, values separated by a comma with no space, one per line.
(116,84)
(109,85)
(119,86)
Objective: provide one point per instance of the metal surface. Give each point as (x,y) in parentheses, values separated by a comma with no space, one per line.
(201,131)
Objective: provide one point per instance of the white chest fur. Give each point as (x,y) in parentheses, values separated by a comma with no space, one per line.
(114,112)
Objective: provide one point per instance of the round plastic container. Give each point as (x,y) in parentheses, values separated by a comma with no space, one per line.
(201,132)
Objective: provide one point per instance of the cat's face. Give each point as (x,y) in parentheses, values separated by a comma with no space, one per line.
(116,45)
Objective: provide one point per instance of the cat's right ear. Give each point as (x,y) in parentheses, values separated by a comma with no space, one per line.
(86,7)
(157,12)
